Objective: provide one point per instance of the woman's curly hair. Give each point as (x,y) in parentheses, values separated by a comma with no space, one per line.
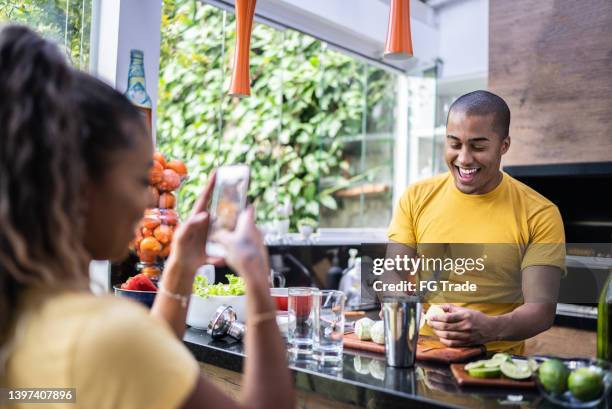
(40,170)
(57,128)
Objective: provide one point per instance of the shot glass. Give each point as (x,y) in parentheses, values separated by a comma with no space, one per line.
(328,325)
(300,320)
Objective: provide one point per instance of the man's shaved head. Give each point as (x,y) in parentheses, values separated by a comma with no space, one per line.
(484,103)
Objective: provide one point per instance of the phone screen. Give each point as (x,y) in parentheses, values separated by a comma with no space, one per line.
(228,200)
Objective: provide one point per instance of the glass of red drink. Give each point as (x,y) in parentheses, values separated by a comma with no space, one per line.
(280,296)
(300,315)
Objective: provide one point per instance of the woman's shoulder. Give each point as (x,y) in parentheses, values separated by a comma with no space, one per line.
(81,306)
(105,320)
(111,349)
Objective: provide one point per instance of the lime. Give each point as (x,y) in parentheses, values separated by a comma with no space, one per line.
(475,364)
(553,375)
(492,364)
(585,384)
(533,364)
(434,310)
(514,371)
(501,357)
(484,372)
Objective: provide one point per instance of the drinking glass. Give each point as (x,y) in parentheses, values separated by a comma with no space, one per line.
(301,319)
(280,297)
(328,325)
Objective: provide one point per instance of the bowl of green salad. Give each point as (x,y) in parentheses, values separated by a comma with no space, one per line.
(206,298)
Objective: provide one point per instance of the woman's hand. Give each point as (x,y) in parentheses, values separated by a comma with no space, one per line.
(463,326)
(189,242)
(245,250)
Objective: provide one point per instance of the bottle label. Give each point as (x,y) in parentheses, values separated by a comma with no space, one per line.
(138,94)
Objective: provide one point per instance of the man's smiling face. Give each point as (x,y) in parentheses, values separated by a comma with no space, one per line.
(473,151)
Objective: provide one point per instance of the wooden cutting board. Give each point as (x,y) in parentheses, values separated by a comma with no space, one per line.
(427,349)
(464,379)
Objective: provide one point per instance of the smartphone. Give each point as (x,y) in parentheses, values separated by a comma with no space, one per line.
(229,198)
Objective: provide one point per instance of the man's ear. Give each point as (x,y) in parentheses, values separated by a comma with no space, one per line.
(505,145)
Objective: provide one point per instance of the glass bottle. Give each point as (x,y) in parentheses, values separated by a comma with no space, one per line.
(136,89)
(604,321)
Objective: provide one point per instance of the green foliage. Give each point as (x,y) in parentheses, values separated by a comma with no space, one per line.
(49,18)
(304,96)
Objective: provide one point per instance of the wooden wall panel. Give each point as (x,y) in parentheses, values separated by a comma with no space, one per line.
(551,60)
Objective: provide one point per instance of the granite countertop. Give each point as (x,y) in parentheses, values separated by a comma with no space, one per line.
(363,380)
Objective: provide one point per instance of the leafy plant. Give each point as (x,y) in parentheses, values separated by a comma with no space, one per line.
(304,96)
(51,18)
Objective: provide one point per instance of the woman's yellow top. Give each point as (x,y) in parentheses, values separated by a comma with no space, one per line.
(111,350)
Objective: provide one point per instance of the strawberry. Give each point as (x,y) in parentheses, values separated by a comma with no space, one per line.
(140,282)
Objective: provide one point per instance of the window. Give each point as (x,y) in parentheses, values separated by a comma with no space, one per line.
(67,22)
(319,129)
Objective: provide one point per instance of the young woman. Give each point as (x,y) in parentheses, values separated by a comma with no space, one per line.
(74,162)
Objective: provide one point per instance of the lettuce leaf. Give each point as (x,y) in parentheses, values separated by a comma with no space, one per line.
(235,286)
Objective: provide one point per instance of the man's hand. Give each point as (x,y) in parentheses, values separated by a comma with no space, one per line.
(462,326)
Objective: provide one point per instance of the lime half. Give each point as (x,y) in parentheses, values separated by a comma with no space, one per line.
(485,372)
(513,371)
(533,364)
(475,364)
(501,357)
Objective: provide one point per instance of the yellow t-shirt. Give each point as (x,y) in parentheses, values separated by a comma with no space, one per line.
(111,350)
(513,225)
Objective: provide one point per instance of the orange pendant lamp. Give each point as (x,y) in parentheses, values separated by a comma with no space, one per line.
(241,83)
(399,40)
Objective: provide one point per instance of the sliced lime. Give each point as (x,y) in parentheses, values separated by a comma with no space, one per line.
(485,372)
(492,364)
(475,364)
(513,371)
(533,364)
(501,357)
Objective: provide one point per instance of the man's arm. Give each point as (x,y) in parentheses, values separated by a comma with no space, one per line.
(463,326)
(395,249)
(540,292)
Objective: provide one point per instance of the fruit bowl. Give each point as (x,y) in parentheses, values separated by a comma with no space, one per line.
(145,297)
(590,379)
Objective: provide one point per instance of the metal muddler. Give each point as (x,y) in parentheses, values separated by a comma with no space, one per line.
(224,322)
(401,315)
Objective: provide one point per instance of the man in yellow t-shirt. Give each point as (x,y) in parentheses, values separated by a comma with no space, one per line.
(517,231)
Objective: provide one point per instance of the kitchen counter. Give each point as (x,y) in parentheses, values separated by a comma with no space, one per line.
(363,380)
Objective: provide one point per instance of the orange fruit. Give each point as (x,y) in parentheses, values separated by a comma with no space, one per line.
(152,212)
(169,216)
(178,166)
(170,180)
(167,201)
(151,221)
(163,233)
(150,244)
(160,158)
(138,233)
(146,257)
(146,232)
(156,173)
(154,194)
(165,251)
